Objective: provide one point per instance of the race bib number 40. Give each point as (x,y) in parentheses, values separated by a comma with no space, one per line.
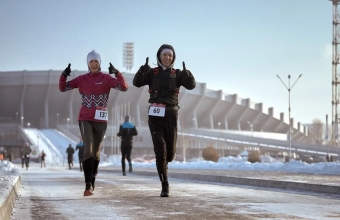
(101,115)
(157,111)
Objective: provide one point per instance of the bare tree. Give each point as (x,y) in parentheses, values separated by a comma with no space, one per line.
(316,130)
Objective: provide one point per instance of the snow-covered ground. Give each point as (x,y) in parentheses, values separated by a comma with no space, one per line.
(9,171)
(53,142)
(237,163)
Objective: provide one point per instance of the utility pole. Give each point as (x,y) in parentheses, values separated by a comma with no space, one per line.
(335,81)
(290,124)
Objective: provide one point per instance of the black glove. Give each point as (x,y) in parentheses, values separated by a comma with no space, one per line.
(184,71)
(145,68)
(67,71)
(113,70)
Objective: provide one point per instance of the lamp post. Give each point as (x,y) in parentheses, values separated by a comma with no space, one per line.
(219,136)
(194,122)
(16,117)
(289,88)
(22,121)
(57,119)
(251,127)
(28,125)
(183,144)
(38,136)
(103,144)
(68,123)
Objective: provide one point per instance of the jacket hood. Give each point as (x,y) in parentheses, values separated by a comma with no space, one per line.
(164,46)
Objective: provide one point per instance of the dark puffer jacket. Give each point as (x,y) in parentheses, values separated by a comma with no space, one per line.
(164,83)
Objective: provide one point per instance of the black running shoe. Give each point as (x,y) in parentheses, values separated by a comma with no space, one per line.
(92,182)
(165,191)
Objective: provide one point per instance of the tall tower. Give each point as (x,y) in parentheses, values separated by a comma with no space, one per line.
(335,79)
(128,54)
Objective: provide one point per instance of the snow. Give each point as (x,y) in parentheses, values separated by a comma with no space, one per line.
(42,140)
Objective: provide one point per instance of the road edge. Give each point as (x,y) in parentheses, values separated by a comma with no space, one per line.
(288,185)
(7,207)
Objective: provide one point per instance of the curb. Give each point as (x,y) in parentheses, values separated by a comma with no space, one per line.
(7,207)
(317,188)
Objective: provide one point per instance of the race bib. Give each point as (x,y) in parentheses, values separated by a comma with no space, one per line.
(157,111)
(101,115)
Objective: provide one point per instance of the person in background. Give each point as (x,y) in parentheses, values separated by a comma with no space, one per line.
(10,156)
(126,131)
(164,83)
(94,88)
(70,152)
(22,156)
(42,159)
(27,154)
(4,154)
(80,148)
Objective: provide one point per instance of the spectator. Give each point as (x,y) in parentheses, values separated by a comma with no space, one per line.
(42,158)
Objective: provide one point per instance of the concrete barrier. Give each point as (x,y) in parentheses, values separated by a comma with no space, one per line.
(7,207)
(290,185)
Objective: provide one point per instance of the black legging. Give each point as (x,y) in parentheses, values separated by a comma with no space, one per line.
(92,134)
(126,148)
(164,136)
(27,161)
(81,163)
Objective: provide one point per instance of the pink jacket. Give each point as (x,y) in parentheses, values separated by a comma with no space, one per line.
(94,89)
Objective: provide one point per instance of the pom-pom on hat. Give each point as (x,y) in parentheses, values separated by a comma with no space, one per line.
(93,55)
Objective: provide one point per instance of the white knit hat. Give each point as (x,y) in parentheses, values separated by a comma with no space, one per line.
(93,55)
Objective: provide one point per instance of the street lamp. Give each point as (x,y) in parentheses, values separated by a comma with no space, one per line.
(38,136)
(28,125)
(68,123)
(251,127)
(16,117)
(183,144)
(57,119)
(289,88)
(22,121)
(103,144)
(194,122)
(219,137)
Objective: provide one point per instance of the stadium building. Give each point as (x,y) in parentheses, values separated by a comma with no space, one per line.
(206,117)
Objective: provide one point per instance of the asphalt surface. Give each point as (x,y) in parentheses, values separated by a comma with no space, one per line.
(56,193)
(321,183)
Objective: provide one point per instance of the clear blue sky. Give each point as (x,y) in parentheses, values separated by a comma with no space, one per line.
(238,46)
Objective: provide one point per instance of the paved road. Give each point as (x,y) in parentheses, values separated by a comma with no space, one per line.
(57,193)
